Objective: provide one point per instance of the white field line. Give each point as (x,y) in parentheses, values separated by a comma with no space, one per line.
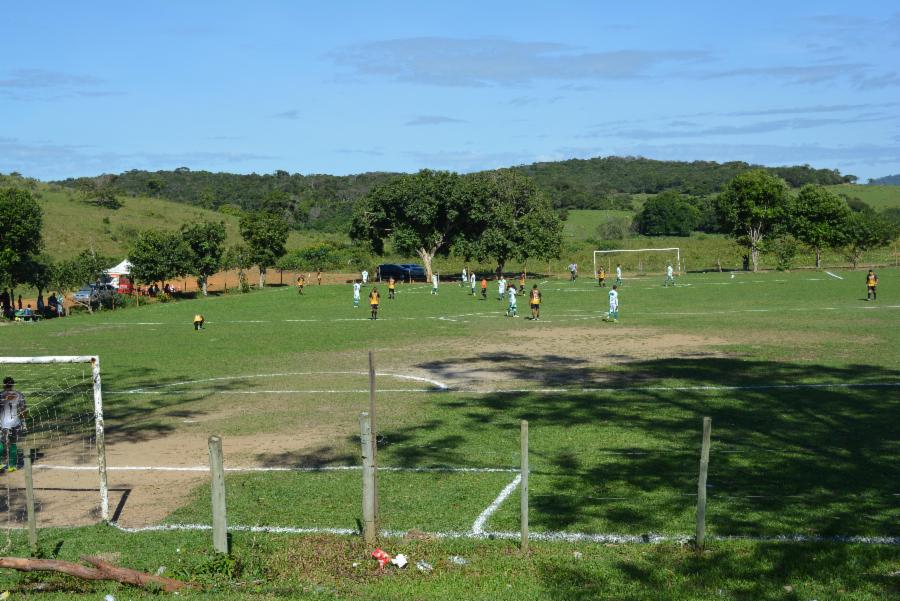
(834,275)
(551,536)
(251,469)
(481,520)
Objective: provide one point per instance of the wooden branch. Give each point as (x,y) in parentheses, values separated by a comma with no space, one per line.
(102,570)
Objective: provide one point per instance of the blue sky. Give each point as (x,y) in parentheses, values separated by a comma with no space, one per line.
(347,87)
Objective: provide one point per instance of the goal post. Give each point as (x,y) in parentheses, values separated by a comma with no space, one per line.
(598,254)
(64,408)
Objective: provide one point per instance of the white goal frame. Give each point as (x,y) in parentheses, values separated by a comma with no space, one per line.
(640,250)
(99,430)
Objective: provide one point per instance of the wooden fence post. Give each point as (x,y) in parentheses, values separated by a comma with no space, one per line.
(523,486)
(373,432)
(701,484)
(217,471)
(29,503)
(368,473)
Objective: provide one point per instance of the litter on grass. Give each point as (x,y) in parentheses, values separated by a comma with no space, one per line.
(400,560)
(460,561)
(424,566)
(382,557)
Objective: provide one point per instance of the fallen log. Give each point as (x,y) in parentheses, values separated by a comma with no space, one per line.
(102,570)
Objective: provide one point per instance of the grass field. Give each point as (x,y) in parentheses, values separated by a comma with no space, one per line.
(798,373)
(878,197)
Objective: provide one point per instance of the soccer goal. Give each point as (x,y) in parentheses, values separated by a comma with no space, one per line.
(59,425)
(640,260)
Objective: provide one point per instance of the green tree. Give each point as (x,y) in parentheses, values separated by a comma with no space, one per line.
(752,207)
(507,217)
(265,235)
(864,231)
(21,219)
(419,214)
(817,218)
(239,257)
(87,267)
(205,241)
(667,214)
(157,256)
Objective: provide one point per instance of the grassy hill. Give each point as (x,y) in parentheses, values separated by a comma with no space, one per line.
(70,224)
(878,197)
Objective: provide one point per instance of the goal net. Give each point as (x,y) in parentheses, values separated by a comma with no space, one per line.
(638,260)
(51,410)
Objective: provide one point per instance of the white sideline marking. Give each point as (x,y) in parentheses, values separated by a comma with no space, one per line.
(324,468)
(834,275)
(481,520)
(551,536)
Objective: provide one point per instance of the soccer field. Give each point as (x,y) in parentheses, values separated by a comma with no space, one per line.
(797,371)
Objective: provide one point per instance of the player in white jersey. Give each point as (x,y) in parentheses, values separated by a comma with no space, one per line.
(465,277)
(12,411)
(434,283)
(618,275)
(356,288)
(472,282)
(365,277)
(511,310)
(670,276)
(501,288)
(613,315)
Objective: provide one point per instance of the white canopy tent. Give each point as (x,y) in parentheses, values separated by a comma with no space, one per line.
(114,273)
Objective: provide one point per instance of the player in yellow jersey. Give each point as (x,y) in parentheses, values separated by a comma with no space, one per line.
(392,289)
(301,282)
(198,322)
(601,277)
(374,299)
(871,283)
(535,301)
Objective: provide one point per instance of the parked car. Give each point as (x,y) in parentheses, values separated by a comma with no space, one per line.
(401,271)
(93,293)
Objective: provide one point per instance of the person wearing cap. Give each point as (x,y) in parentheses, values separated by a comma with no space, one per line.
(12,428)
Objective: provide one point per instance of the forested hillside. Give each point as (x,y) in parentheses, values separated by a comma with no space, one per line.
(325,202)
(887,180)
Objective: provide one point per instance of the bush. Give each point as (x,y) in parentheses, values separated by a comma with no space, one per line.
(785,249)
(668,214)
(617,228)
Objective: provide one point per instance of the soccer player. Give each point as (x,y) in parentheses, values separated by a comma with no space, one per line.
(511,310)
(871,283)
(601,277)
(365,277)
(618,275)
(483,288)
(374,298)
(670,276)
(501,288)
(356,287)
(12,411)
(434,283)
(465,277)
(319,275)
(301,282)
(613,314)
(573,268)
(392,289)
(472,282)
(535,300)
(522,283)
(198,322)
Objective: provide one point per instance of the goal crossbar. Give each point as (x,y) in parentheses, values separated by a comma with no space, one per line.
(640,250)
(99,429)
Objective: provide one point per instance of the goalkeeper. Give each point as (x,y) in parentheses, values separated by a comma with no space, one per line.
(12,429)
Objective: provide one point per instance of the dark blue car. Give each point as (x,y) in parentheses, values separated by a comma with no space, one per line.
(403,272)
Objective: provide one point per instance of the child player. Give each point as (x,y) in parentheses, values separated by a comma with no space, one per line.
(483,288)
(501,288)
(522,283)
(670,276)
(301,281)
(434,283)
(618,275)
(613,315)
(601,277)
(511,310)
(871,283)
(374,298)
(356,287)
(198,322)
(472,282)
(535,300)
(392,289)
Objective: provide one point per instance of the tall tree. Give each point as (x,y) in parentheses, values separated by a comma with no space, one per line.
(751,207)
(21,219)
(205,241)
(158,256)
(419,214)
(265,235)
(817,218)
(667,214)
(507,218)
(239,257)
(87,267)
(864,231)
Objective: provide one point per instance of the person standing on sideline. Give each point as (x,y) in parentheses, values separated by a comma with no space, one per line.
(465,277)
(501,288)
(618,275)
(365,277)
(613,314)
(374,298)
(670,276)
(871,283)
(472,282)
(392,289)
(434,283)
(319,275)
(356,287)
(512,310)
(535,300)
(12,429)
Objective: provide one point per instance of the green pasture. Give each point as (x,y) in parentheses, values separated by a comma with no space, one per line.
(878,197)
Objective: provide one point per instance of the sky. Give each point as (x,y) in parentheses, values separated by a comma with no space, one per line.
(349,87)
